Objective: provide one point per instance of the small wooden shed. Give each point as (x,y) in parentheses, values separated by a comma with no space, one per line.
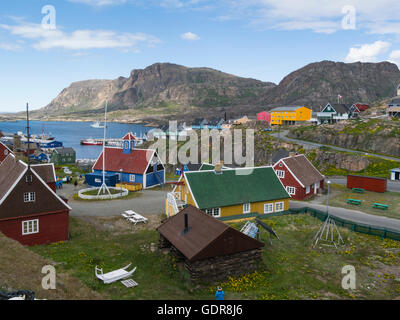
(211,250)
(374,184)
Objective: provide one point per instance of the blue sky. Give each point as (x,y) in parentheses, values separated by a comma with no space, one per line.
(262,39)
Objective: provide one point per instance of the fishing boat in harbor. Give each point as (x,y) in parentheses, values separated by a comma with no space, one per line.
(97,125)
(91,142)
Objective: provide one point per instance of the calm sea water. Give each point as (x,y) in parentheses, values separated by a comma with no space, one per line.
(71,133)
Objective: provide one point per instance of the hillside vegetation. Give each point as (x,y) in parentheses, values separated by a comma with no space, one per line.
(373,135)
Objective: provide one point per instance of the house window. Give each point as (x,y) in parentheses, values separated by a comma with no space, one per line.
(246,208)
(160,167)
(131,178)
(268,207)
(30,227)
(29,197)
(291,190)
(279,206)
(308,189)
(150,169)
(28,178)
(215,212)
(280,173)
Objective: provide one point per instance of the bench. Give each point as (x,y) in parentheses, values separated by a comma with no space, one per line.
(354,201)
(380,206)
(358,190)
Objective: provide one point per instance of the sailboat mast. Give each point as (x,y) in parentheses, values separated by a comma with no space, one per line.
(104,143)
(28,133)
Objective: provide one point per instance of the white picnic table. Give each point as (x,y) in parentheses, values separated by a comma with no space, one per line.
(134,217)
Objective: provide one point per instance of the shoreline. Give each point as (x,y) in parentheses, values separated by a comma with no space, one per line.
(143,123)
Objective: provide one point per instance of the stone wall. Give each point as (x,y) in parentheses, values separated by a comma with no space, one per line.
(221,267)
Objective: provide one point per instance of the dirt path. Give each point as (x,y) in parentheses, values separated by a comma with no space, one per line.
(148,203)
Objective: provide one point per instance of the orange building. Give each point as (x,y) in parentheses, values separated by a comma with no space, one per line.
(290,115)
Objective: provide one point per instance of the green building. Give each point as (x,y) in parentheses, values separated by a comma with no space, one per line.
(63,156)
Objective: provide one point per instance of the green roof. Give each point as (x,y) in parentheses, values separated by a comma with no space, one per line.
(235,186)
(207,166)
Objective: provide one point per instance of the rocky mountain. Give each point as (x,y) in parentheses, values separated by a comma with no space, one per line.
(319,83)
(159,86)
(165,90)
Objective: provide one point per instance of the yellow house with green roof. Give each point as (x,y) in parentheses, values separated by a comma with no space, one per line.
(229,192)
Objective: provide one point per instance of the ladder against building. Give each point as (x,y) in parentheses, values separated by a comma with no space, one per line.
(176,204)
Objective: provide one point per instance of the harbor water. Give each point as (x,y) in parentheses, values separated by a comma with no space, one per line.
(71,133)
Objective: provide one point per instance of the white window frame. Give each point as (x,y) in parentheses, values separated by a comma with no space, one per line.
(291,190)
(131,178)
(280,173)
(30,227)
(212,212)
(248,205)
(268,205)
(308,189)
(29,197)
(279,204)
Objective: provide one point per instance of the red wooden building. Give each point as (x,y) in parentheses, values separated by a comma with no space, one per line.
(300,178)
(30,210)
(4,152)
(367,183)
(264,116)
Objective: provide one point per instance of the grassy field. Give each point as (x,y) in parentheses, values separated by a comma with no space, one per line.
(21,269)
(292,268)
(392,199)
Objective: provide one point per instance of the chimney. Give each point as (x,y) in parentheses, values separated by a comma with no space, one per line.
(187,228)
(218,167)
(186,222)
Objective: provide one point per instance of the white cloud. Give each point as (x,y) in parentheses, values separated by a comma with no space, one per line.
(190,36)
(79,39)
(99,3)
(9,46)
(367,52)
(315,15)
(395,57)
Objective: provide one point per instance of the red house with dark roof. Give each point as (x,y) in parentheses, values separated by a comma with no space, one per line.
(132,165)
(300,178)
(30,210)
(4,152)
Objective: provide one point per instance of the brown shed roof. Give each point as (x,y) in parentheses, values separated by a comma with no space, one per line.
(207,237)
(303,169)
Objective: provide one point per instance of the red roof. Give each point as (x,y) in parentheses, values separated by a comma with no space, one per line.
(362,107)
(134,162)
(4,152)
(129,136)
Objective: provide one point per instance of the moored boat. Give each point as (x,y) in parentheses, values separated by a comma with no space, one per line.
(97,125)
(91,142)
